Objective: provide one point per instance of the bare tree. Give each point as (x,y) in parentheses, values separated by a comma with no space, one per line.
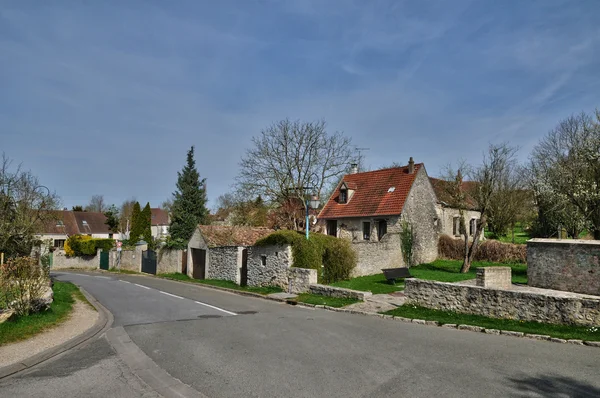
(96,204)
(290,158)
(25,207)
(489,184)
(125,215)
(509,200)
(566,167)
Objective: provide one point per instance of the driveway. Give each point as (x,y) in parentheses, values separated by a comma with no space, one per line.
(269,349)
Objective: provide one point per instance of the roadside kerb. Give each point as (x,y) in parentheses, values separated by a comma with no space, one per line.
(104,322)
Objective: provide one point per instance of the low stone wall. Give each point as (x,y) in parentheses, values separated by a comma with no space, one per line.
(507,304)
(374,256)
(331,291)
(168,261)
(494,277)
(268,265)
(300,279)
(568,265)
(224,263)
(61,261)
(131,260)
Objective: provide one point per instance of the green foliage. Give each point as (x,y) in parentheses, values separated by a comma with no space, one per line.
(406,242)
(137,228)
(175,243)
(315,299)
(189,203)
(333,258)
(77,208)
(449,271)
(83,245)
(376,284)
(112,218)
(146,220)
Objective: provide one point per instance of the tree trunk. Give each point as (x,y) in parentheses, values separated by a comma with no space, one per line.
(466,261)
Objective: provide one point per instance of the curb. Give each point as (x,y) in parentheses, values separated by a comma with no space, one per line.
(471,328)
(103,323)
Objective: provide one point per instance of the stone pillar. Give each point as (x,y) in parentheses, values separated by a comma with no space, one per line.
(494,277)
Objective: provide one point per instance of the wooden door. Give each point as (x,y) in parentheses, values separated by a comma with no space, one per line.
(199,264)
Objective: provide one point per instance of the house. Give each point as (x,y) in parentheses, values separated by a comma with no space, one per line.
(159,223)
(368,209)
(67,223)
(221,252)
(449,216)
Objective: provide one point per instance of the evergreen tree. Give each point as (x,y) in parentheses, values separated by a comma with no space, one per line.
(146,221)
(136,228)
(189,202)
(112,218)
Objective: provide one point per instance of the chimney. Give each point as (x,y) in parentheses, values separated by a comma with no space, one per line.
(411,166)
(353,168)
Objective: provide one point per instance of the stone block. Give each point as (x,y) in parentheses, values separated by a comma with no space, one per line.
(331,291)
(494,277)
(471,328)
(511,333)
(557,340)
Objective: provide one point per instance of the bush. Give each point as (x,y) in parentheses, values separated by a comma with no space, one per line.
(333,258)
(489,250)
(83,245)
(22,284)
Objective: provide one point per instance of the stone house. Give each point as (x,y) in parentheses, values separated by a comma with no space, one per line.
(221,252)
(368,209)
(449,216)
(67,223)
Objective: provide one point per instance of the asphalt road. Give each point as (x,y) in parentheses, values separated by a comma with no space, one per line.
(270,349)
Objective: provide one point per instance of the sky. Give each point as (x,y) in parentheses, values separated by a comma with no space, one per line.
(106,97)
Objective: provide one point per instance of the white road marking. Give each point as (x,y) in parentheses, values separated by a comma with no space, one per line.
(216,308)
(145,287)
(172,295)
(121,280)
(103,277)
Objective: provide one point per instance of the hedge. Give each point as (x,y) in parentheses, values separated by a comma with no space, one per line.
(333,258)
(488,250)
(83,245)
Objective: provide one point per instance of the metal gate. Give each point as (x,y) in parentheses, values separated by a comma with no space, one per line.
(104,260)
(149,262)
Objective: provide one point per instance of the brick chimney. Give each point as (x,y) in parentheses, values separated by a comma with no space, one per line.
(353,168)
(411,166)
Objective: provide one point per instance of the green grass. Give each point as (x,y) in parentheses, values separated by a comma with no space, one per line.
(521,236)
(377,284)
(24,327)
(449,271)
(221,283)
(122,271)
(324,300)
(443,317)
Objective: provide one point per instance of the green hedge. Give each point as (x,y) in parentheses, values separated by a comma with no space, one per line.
(82,245)
(333,258)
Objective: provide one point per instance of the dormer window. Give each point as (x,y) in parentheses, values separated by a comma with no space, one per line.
(343,195)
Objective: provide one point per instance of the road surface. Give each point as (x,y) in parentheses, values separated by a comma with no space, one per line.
(226,345)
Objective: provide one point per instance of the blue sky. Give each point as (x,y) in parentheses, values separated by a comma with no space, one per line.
(107,97)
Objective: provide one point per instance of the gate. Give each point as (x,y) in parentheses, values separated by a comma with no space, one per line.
(104,260)
(149,262)
(244,270)
(198,264)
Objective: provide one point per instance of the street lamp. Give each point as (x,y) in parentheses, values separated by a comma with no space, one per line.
(313,203)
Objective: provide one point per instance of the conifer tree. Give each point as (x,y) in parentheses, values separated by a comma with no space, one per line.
(146,221)
(136,228)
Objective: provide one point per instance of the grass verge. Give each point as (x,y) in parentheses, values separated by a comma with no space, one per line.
(444,317)
(221,283)
(377,284)
(324,300)
(25,327)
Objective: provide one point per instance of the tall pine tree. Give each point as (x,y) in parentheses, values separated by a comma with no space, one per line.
(146,222)
(136,230)
(189,202)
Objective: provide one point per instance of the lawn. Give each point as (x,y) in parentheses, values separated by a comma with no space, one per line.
(444,317)
(521,236)
(24,327)
(221,283)
(324,300)
(439,270)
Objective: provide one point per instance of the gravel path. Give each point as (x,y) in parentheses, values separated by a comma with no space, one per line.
(81,319)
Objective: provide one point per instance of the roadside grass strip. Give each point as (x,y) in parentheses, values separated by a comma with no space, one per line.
(221,283)
(22,328)
(376,284)
(566,332)
(315,299)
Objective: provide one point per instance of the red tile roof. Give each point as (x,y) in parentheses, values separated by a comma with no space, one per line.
(372,194)
(223,235)
(159,217)
(441,191)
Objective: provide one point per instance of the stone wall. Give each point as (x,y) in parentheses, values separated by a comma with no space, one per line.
(373,256)
(61,261)
(268,266)
(494,277)
(224,263)
(331,291)
(568,265)
(446,219)
(300,279)
(168,261)
(507,304)
(131,260)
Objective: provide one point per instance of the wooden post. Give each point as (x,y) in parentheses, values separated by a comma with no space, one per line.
(1,258)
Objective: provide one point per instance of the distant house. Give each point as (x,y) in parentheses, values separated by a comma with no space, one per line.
(67,223)
(449,215)
(159,223)
(368,209)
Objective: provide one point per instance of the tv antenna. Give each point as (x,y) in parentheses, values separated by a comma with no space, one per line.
(360,157)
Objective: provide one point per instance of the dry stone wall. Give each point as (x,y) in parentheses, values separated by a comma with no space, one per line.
(300,279)
(269,265)
(331,291)
(507,304)
(224,263)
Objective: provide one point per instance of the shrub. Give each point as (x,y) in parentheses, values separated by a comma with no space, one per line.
(333,258)
(22,285)
(489,250)
(175,243)
(83,245)
(407,238)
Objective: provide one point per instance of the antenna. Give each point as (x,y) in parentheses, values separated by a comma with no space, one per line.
(360,157)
